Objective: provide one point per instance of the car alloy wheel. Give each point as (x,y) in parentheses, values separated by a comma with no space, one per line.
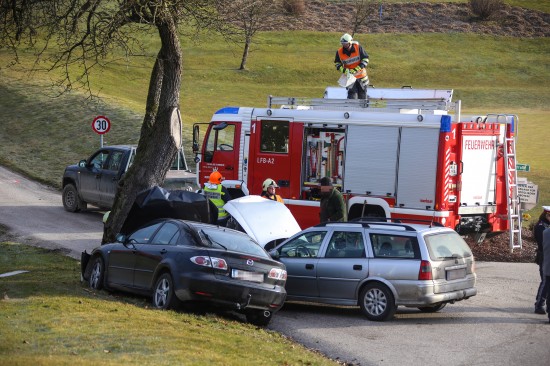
(96,276)
(377,302)
(163,294)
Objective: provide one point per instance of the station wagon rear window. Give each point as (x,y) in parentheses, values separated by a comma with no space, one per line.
(394,246)
(447,245)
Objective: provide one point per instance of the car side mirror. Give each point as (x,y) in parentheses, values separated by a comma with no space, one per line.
(120,238)
(82,163)
(274,253)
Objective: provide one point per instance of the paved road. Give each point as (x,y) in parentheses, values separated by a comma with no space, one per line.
(496,327)
(35,213)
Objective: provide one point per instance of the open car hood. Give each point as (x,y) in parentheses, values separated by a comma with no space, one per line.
(262,219)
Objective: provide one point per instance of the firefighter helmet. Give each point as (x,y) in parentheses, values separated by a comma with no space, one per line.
(269,183)
(346,38)
(215,178)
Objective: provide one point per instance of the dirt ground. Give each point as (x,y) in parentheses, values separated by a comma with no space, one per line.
(418,17)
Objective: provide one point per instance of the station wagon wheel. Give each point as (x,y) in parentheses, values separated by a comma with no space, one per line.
(98,273)
(164,297)
(377,302)
(432,309)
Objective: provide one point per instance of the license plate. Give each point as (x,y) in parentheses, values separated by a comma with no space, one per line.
(456,274)
(247,276)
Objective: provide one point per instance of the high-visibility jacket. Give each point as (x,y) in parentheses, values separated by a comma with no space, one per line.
(273,198)
(353,60)
(216,196)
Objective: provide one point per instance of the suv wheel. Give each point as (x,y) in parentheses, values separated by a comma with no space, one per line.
(377,302)
(71,201)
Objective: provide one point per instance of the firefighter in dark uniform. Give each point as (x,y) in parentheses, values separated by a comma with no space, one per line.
(218,195)
(352,58)
(542,224)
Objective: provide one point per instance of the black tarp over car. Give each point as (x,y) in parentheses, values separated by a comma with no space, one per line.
(157,202)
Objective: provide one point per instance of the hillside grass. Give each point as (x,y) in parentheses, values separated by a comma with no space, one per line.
(42,132)
(47,317)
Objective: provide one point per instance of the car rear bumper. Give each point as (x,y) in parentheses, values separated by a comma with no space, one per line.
(230,293)
(427,297)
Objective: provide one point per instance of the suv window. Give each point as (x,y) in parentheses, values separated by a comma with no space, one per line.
(115,160)
(346,244)
(395,246)
(306,245)
(447,245)
(99,159)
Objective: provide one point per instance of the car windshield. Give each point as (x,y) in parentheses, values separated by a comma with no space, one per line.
(447,245)
(233,241)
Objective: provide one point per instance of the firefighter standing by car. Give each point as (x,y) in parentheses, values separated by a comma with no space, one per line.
(218,195)
(268,192)
(351,58)
(333,207)
(542,224)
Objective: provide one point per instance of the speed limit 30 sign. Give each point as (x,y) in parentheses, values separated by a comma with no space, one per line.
(101,125)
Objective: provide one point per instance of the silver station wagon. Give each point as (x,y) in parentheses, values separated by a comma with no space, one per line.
(378,266)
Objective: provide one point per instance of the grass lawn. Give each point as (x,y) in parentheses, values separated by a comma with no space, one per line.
(47,317)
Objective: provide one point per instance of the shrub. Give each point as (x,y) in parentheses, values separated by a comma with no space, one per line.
(486,8)
(296,7)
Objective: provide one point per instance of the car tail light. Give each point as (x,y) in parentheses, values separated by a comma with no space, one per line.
(206,261)
(425,272)
(277,274)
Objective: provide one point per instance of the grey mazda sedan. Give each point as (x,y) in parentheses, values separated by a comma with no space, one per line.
(378,266)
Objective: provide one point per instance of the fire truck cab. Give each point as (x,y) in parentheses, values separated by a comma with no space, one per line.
(401,153)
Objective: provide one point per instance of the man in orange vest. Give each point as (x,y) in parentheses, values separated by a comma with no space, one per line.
(352,58)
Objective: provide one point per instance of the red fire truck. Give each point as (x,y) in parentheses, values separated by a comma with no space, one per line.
(404,153)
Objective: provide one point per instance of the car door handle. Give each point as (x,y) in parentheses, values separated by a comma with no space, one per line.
(357,267)
(309,266)
(97,176)
(163,251)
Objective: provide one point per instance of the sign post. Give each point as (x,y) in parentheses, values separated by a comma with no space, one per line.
(101,125)
(528,193)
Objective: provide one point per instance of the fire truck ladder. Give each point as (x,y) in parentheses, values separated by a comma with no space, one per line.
(514,204)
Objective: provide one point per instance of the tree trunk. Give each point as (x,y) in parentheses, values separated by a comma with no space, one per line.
(159,140)
(245,54)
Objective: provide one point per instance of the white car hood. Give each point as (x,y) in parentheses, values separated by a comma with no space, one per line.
(262,219)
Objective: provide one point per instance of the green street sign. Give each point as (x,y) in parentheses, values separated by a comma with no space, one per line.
(523,167)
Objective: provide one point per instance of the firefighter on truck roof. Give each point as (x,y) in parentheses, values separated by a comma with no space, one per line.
(268,192)
(351,58)
(218,194)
